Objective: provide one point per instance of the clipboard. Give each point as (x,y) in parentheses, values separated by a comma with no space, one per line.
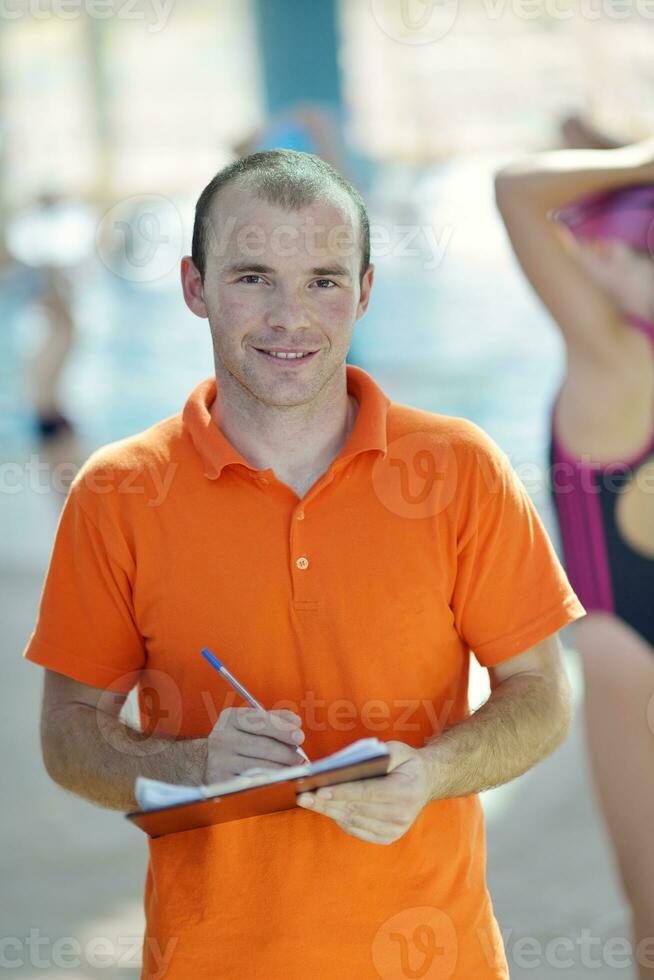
(251,802)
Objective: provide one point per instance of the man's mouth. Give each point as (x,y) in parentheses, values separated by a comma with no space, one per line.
(287,356)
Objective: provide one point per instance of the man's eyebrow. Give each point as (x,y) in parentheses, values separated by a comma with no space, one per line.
(331,270)
(248,267)
(255,267)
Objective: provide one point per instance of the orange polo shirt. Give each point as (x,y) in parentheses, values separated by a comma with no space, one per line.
(357,607)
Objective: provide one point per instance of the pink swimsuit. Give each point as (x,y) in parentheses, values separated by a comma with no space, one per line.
(606,572)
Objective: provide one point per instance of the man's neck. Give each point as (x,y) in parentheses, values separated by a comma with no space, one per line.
(296,442)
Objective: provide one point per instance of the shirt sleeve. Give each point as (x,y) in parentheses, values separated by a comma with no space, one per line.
(86,625)
(510,591)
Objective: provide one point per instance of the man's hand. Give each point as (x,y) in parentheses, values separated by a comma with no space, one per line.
(243,738)
(382,809)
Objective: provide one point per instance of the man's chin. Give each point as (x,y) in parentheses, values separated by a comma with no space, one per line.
(280,393)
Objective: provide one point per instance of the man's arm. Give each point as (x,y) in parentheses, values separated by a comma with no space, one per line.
(89,751)
(526,717)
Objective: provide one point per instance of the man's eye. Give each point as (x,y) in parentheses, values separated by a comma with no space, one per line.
(250,275)
(330,282)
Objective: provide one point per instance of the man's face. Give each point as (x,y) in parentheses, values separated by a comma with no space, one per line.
(277,279)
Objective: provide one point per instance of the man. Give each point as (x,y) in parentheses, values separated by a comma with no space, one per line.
(342,554)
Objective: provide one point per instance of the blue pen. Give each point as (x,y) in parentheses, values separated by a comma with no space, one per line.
(217,665)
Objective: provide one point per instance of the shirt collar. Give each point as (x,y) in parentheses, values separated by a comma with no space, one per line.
(216,451)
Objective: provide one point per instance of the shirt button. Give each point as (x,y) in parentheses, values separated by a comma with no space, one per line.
(302,563)
(300,515)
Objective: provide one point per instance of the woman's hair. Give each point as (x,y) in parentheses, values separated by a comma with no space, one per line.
(626,213)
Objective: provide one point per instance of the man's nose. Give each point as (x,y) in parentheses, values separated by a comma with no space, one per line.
(288,310)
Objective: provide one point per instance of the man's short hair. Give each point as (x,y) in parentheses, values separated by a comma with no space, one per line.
(288,178)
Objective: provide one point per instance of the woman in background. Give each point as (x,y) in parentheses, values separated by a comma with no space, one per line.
(581,223)
(36,259)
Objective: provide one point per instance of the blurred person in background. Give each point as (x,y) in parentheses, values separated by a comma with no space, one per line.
(306,127)
(581,223)
(580,133)
(44,243)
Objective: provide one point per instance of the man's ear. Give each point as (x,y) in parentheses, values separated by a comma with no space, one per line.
(193,287)
(366,287)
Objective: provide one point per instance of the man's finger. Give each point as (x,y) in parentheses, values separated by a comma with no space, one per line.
(249,762)
(264,747)
(347,810)
(257,722)
(365,789)
(370,830)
